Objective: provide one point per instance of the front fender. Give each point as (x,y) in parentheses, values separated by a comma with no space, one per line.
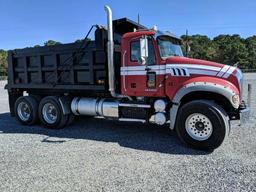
(207,87)
(214,85)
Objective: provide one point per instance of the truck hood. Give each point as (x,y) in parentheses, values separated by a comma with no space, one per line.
(185,60)
(200,67)
(182,66)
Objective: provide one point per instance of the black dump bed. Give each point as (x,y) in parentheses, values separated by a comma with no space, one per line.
(67,68)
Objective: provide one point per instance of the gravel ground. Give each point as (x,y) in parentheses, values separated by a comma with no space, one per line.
(98,155)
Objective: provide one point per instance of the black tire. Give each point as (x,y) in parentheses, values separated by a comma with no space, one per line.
(31,108)
(216,132)
(60,119)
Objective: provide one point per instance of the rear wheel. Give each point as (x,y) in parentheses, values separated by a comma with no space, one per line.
(202,124)
(26,110)
(51,114)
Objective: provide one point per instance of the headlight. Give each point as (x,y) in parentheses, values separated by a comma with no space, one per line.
(236,99)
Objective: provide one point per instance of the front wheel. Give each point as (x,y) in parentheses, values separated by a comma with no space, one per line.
(202,124)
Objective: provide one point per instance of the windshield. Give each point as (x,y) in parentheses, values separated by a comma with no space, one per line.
(169,46)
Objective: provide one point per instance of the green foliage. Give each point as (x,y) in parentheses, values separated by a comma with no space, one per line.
(231,50)
(251,48)
(227,49)
(3,62)
(51,43)
(201,47)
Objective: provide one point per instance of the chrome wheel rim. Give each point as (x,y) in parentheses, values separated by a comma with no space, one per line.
(24,112)
(198,126)
(49,113)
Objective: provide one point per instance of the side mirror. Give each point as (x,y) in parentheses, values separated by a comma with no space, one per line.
(144,50)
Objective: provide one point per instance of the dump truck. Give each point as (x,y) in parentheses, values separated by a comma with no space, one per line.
(127,73)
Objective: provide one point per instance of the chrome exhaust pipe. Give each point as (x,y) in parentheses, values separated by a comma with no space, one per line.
(111,68)
(111,71)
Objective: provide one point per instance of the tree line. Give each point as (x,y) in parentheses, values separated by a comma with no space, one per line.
(3,62)
(226,49)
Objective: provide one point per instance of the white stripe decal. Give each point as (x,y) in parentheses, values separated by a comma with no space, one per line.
(176,71)
(170,71)
(141,68)
(203,72)
(180,70)
(229,72)
(133,68)
(182,73)
(187,72)
(162,67)
(154,67)
(223,70)
(194,66)
(158,72)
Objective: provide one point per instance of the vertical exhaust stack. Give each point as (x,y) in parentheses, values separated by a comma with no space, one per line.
(111,68)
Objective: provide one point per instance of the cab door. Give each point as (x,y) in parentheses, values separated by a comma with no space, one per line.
(142,79)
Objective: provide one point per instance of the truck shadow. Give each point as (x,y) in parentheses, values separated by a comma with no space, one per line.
(131,135)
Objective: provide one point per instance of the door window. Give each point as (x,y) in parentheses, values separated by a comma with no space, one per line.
(135,52)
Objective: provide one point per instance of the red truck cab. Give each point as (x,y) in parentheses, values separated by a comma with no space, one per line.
(166,70)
